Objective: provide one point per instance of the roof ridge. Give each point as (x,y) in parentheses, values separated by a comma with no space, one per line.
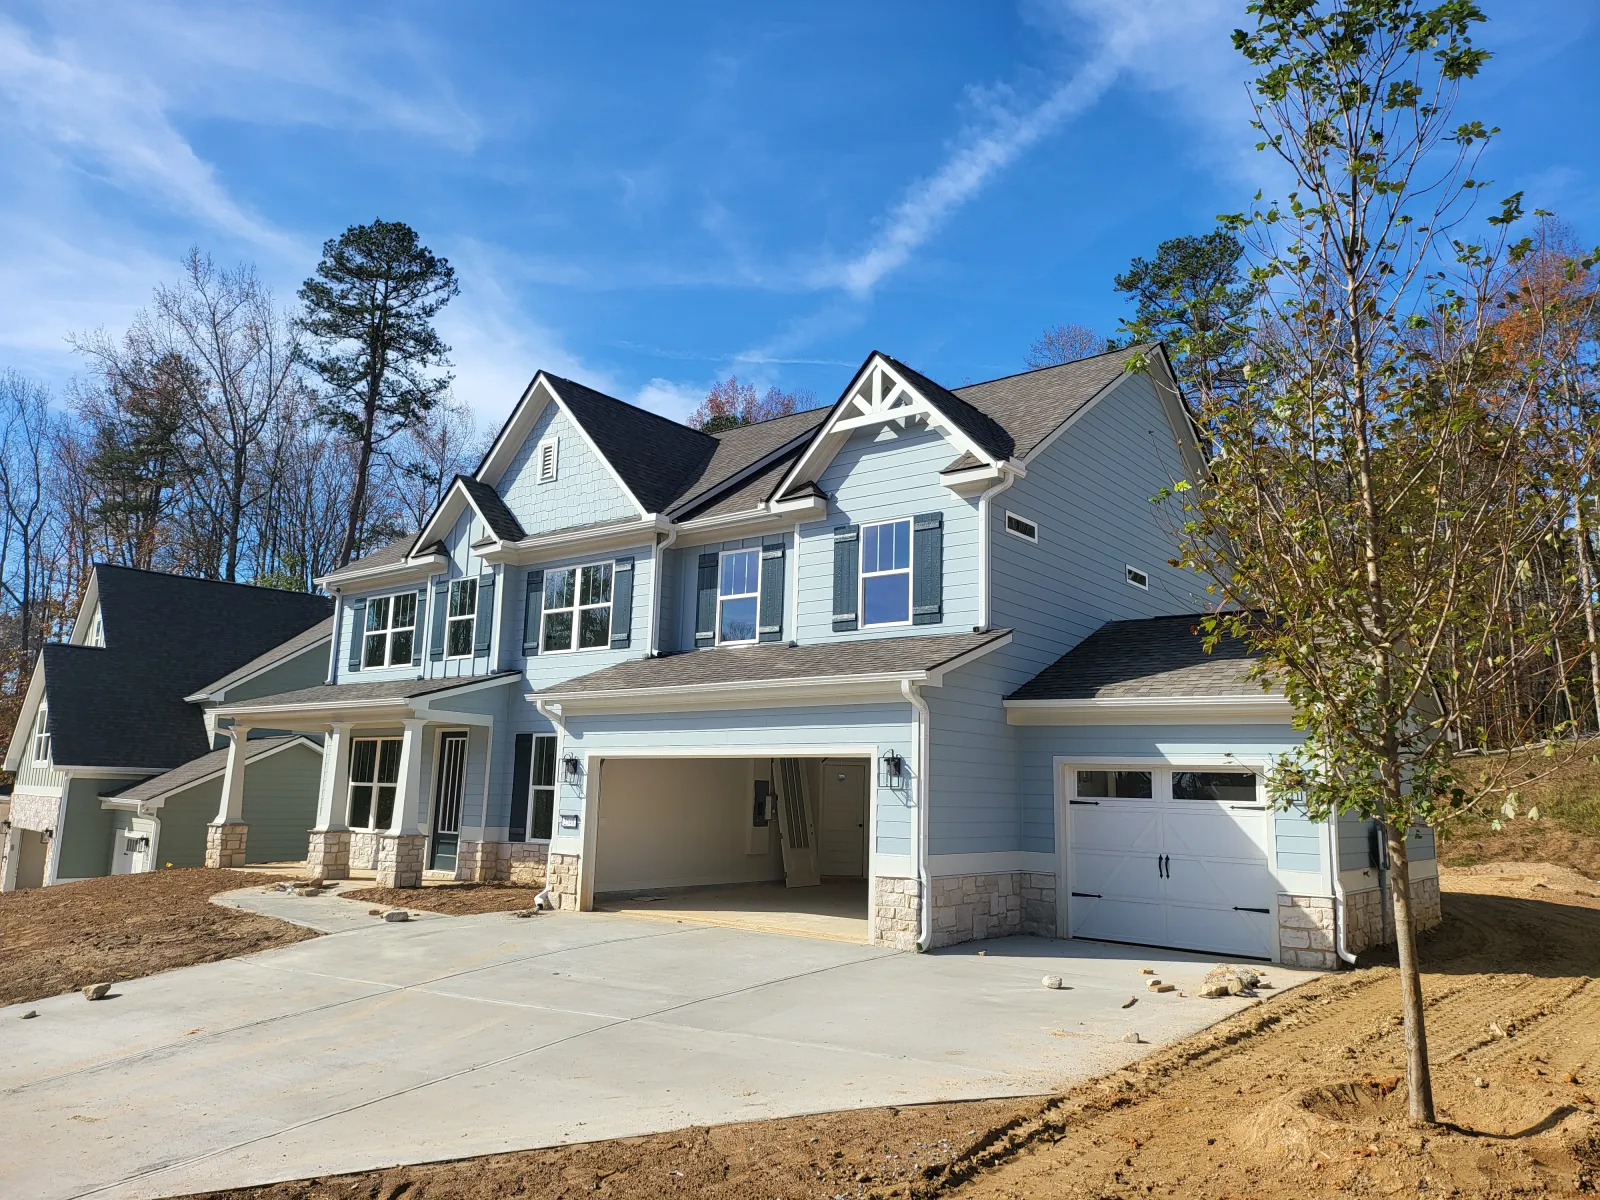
(200,579)
(799,412)
(1053,366)
(629,404)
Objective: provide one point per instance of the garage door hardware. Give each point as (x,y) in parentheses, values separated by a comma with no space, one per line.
(1088,895)
(1263,911)
(1096,803)
(1164,865)
(1249,807)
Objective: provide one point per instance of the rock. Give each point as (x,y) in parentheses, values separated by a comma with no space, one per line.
(1147,970)
(1495,1030)
(1213,991)
(1053,982)
(1480,1082)
(525,912)
(97,991)
(30,1014)
(307,891)
(1133,1038)
(1236,986)
(1132,1000)
(374,912)
(983,953)
(1157,986)
(397,914)
(1152,985)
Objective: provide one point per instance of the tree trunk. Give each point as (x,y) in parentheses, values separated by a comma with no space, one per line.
(1419,1079)
(1580,532)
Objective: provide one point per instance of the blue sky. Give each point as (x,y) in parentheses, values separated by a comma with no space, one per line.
(648,197)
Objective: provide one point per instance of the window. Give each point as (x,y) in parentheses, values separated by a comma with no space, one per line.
(542,790)
(577,609)
(1238,787)
(463,613)
(886,573)
(374,779)
(97,630)
(738,596)
(1022,527)
(1124,785)
(1139,579)
(41,737)
(391,630)
(547,460)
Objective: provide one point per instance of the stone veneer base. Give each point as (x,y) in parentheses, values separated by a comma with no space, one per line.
(895,912)
(225,843)
(328,854)
(503,862)
(400,859)
(562,881)
(968,908)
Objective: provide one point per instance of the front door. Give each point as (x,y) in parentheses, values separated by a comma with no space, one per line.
(450,780)
(843,848)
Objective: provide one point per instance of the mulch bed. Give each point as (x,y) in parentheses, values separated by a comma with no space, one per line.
(454,899)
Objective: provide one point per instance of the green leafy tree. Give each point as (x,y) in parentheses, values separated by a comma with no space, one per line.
(1381,514)
(370,310)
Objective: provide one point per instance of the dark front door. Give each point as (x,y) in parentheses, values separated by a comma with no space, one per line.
(450,779)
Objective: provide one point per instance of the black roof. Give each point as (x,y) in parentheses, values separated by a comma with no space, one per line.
(1154,658)
(500,519)
(166,637)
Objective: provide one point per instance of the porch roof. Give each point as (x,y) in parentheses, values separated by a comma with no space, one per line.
(197,769)
(334,697)
(779,663)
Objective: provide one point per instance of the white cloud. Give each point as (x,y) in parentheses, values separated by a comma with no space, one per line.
(671,398)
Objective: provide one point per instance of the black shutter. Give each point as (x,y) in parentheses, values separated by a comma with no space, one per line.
(927,569)
(483,623)
(441,600)
(846,576)
(358,622)
(417,627)
(521,773)
(769,624)
(532,612)
(622,604)
(705,612)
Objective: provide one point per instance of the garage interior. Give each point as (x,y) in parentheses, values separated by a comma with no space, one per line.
(772,844)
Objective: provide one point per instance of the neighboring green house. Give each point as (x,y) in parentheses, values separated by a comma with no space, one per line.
(116,706)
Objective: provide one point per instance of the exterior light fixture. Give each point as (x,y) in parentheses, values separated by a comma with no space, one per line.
(893,772)
(571,767)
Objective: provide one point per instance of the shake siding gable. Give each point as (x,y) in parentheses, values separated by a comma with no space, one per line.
(584,491)
(879,475)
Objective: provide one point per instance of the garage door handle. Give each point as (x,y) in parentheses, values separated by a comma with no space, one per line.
(1249,807)
(1088,895)
(1096,803)
(1263,911)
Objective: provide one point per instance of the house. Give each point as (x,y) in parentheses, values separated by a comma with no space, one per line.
(923,651)
(111,745)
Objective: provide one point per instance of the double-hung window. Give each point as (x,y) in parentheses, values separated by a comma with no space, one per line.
(542,790)
(462,616)
(738,596)
(374,779)
(886,573)
(391,630)
(41,736)
(577,609)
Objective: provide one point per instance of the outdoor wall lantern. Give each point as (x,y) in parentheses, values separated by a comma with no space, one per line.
(5,828)
(47,834)
(893,773)
(571,767)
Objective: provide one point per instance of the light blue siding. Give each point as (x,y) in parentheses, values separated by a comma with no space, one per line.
(584,491)
(1354,843)
(881,475)
(680,604)
(1298,841)
(974,803)
(884,726)
(488,751)
(544,670)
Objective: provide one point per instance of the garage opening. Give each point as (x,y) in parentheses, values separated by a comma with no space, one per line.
(1170,857)
(775,844)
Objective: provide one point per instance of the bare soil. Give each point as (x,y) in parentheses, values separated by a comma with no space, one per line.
(1299,1096)
(456,899)
(56,939)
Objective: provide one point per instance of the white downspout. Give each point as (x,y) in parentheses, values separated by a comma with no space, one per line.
(1340,912)
(333,646)
(984,607)
(551,713)
(924,882)
(657,569)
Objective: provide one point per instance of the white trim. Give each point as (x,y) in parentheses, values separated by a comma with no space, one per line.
(90,602)
(1018,533)
(1129,571)
(389,631)
(160,798)
(319,712)
(549,452)
(716,631)
(583,540)
(908,571)
(576,608)
(398,784)
(722,486)
(40,731)
(412,568)
(1151,710)
(447,507)
(449,596)
(32,697)
(986,546)
(769,517)
(942,866)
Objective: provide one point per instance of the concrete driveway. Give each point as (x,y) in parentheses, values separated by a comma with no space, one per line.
(455,1036)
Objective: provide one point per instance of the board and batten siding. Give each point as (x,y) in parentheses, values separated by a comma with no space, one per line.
(584,491)
(880,475)
(884,726)
(488,755)
(31,778)
(680,605)
(974,800)
(85,830)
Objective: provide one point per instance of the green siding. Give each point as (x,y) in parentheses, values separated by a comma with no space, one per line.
(280,804)
(309,668)
(86,830)
(184,818)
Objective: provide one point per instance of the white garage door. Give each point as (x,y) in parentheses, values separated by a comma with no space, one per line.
(1170,857)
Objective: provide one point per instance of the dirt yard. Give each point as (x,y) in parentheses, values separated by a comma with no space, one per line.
(456,899)
(55,939)
(1297,1097)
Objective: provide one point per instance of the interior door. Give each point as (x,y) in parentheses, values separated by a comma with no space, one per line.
(450,779)
(797,824)
(843,844)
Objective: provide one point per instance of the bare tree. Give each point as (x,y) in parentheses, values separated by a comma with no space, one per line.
(1063,344)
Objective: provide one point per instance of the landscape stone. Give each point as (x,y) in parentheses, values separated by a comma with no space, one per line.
(1053,982)
(397,914)
(96,991)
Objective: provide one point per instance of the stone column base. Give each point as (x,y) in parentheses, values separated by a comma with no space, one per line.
(896,913)
(562,880)
(400,858)
(328,854)
(1425,907)
(1305,932)
(225,843)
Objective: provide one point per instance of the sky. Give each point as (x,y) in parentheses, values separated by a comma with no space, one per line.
(650,197)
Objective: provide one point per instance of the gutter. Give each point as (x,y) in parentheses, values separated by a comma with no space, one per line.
(1340,911)
(657,570)
(1008,477)
(908,689)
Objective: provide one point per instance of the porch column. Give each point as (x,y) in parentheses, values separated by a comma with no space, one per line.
(401,849)
(225,837)
(328,847)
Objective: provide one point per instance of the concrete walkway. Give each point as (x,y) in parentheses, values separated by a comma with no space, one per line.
(448,1037)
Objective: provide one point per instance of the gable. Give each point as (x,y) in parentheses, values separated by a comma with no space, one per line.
(583,492)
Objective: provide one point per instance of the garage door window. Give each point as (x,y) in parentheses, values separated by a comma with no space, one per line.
(1223,787)
(1124,785)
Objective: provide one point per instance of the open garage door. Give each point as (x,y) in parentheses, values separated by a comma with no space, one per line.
(763,842)
(1170,857)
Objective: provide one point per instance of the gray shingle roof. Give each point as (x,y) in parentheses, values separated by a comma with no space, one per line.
(385,556)
(1030,406)
(166,636)
(320,632)
(326,694)
(739,447)
(193,771)
(501,521)
(977,424)
(778,662)
(754,490)
(1156,658)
